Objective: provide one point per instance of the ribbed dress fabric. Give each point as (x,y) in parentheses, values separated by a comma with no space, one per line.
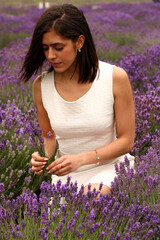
(83,125)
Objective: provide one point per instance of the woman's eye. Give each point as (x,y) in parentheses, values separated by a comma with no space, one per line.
(59,49)
(45,49)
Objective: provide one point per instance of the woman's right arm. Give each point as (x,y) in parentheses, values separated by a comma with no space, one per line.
(37,161)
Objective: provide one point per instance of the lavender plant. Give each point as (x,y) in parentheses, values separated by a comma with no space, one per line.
(79,217)
(41,150)
(13,23)
(17,143)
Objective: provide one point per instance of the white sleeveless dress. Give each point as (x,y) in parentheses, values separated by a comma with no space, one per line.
(83,125)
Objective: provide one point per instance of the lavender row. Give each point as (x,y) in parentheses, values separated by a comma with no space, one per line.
(116,27)
(62,212)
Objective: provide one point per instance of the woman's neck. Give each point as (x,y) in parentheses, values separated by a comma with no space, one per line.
(67,77)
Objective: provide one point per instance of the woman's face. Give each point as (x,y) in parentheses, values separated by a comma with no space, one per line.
(60,52)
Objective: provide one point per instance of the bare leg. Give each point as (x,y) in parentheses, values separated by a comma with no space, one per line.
(105,189)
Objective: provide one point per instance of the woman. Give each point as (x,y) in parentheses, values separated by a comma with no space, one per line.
(80,101)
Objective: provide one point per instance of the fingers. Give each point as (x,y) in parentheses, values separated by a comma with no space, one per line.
(38,163)
(38,172)
(38,158)
(38,169)
(60,170)
(60,167)
(55,165)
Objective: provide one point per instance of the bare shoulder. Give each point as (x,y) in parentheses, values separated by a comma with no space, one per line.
(121,82)
(41,112)
(36,88)
(37,83)
(119,75)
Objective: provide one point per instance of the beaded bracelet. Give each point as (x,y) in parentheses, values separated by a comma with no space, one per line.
(97,156)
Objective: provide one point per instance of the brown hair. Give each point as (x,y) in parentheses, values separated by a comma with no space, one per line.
(70,22)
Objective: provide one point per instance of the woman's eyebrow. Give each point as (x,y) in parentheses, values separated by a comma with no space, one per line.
(53,44)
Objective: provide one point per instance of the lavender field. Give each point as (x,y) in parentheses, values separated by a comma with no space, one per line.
(127,35)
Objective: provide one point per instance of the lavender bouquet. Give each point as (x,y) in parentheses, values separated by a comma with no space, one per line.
(36,180)
(42,153)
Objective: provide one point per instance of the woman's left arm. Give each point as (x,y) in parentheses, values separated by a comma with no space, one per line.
(124,117)
(124,108)
(125,129)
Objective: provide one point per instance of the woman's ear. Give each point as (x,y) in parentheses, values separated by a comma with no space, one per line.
(80,42)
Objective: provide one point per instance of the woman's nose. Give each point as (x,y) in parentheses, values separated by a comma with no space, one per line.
(51,54)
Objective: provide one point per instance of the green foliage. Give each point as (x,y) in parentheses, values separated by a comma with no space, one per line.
(8,37)
(154,126)
(122,38)
(110,55)
(75,2)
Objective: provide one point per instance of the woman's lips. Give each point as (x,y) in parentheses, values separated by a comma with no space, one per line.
(55,64)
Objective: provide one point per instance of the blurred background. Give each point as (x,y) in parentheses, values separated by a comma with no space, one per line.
(38,3)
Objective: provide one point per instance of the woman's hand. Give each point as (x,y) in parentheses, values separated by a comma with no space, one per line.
(38,163)
(64,165)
